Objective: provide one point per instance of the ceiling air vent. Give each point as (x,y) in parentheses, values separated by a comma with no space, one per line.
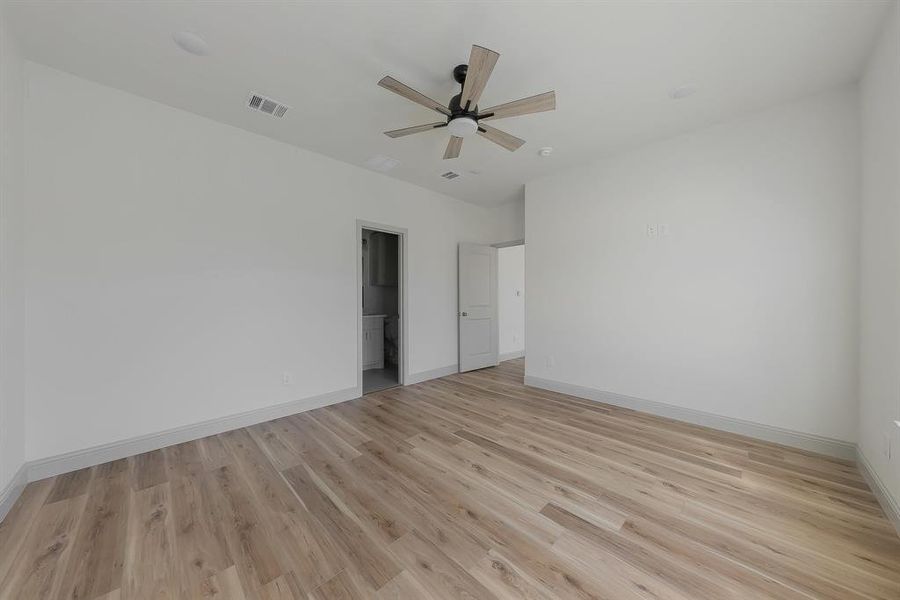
(450,175)
(266,105)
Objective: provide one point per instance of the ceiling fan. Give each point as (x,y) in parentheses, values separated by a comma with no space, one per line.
(463,115)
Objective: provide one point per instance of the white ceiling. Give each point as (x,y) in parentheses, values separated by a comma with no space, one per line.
(612,65)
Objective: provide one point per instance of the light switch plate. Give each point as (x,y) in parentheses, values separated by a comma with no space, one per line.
(652,230)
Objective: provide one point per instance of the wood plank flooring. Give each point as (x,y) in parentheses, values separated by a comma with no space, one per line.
(470,486)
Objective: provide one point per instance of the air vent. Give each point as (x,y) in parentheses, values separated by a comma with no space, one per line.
(266,105)
(450,175)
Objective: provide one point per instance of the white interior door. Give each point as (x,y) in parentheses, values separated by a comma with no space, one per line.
(478,327)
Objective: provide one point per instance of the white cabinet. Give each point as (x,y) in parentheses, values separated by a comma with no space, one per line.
(373,342)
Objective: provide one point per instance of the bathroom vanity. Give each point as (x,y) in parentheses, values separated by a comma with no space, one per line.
(373,341)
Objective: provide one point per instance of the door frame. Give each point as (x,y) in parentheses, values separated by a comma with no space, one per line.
(401,233)
(510,244)
(519,242)
(495,323)
(498,245)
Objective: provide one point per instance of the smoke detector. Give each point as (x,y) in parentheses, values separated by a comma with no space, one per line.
(266,105)
(191,42)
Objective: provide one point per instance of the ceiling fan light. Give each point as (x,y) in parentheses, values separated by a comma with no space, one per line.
(462,126)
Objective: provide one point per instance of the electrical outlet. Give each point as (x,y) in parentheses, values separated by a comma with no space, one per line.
(652,230)
(287,378)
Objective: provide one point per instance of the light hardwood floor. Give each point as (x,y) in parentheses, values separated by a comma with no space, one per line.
(471,486)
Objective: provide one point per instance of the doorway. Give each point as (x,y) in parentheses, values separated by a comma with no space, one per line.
(381,307)
(491,304)
(511,300)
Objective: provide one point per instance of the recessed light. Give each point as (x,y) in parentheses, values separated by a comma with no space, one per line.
(545,151)
(191,42)
(682,91)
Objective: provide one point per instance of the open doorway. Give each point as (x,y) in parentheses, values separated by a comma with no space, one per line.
(491,304)
(511,300)
(381,307)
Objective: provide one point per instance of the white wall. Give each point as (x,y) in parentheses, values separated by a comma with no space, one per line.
(880,285)
(510,217)
(748,309)
(177,266)
(12,296)
(511,296)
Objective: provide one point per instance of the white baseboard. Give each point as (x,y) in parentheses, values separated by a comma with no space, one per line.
(80,459)
(889,504)
(96,455)
(512,355)
(787,437)
(432,374)
(64,463)
(12,491)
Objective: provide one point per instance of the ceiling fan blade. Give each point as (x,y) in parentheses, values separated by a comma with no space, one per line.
(481,63)
(395,133)
(453,147)
(510,142)
(389,83)
(525,106)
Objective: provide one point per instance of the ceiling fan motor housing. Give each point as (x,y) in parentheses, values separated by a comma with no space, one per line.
(459,73)
(456,108)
